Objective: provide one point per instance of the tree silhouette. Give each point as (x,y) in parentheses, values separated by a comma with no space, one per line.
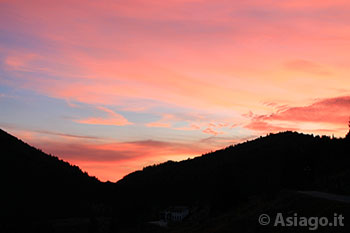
(348,135)
(251,175)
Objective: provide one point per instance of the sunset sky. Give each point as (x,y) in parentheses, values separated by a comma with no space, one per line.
(115,85)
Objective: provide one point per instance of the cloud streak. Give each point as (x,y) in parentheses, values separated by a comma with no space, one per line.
(112,118)
(307,67)
(332,111)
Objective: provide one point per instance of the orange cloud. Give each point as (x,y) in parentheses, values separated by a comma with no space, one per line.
(21,62)
(211,131)
(306,66)
(189,128)
(165,122)
(267,127)
(109,159)
(119,158)
(113,118)
(334,112)
(159,124)
(182,71)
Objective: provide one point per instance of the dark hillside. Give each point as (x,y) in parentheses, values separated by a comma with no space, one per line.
(225,178)
(36,184)
(224,190)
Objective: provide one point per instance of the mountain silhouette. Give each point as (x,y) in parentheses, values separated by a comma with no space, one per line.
(225,190)
(35,185)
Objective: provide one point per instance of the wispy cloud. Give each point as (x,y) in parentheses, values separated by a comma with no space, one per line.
(126,157)
(159,124)
(29,131)
(166,121)
(112,118)
(331,111)
(212,131)
(307,66)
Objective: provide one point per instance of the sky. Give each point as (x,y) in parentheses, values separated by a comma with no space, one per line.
(113,86)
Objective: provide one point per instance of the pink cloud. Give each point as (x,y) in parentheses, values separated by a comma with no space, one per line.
(189,128)
(199,69)
(165,122)
(194,126)
(194,122)
(306,66)
(267,127)
(334,112)
(211,131)
(21,62)
(112,118)
(159,124)
(102,121)
(118,158)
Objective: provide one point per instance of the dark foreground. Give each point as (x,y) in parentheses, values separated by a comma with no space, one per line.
(224,191)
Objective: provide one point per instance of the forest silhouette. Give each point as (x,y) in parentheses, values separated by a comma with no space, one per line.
(225,190)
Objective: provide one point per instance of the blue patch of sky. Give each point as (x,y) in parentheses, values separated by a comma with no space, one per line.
(28,110)
(21,40)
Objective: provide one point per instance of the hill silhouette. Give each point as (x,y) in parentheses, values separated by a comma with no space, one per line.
(234,183)
(226,178)
(35,185)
